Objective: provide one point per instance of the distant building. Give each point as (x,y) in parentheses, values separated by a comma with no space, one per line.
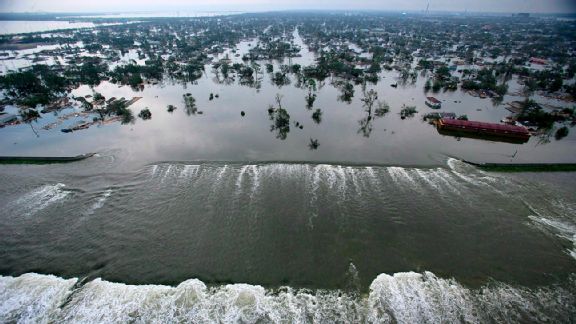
(522,15)
(537,60)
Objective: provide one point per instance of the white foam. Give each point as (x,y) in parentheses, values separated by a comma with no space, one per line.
(99,203)
(342,176)
(447,178)
(406,297)
(32,298)
(240,176)
(329,173)
(254,169)
(101,301)
(316,179)
(189,170)
(418,298)
(153,170)
(401,176)
(41,198)
(562,229)
(373,178)
(218,180)
(430,178)
(221,173)
(167,172)
(352,173)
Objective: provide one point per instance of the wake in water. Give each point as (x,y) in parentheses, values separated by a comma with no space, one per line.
(400,298)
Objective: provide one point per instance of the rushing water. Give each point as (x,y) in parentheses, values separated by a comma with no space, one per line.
(308,242)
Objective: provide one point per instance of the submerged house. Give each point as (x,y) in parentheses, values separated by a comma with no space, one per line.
(482,130)
(537,60)
(433,103)
(7,118)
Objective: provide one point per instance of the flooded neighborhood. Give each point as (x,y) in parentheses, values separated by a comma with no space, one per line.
(288,166)
(472,68)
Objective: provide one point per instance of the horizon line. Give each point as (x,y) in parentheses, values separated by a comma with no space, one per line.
(281,10)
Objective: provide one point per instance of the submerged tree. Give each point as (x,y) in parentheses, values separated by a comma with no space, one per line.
(127,117)
(347,92)
(369,98)
(407,111)
(145,114)
(382,109)
(28,116)
(280,79)
(368,101)
(313,145)
(561,133)
(280,119)
(317,116)
(190,104)
(311,96)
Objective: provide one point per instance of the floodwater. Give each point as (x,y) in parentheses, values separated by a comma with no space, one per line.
(20,26)
(163,14)
(269,241)
(221,134)
(211,217)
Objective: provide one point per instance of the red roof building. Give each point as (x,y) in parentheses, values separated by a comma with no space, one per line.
(466,126)
(537,60)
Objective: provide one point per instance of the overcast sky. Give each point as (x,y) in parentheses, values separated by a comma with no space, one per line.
(534,6)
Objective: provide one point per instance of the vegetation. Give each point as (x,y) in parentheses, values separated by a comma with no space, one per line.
(317,116)
(190,104)
(561,133)
(280,119)
(313,144)
(408,111)
(382,109)
(480,57)
(145,114)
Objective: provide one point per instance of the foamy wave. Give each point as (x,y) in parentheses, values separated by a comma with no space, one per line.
(564,230)
(419,298)
(41,198)
(344,182)
(32,298)
(99,203)
(558,218)
(400,298)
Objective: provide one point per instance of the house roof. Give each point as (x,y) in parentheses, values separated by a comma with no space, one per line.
(485,126)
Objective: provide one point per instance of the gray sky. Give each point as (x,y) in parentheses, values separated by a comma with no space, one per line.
(534,6)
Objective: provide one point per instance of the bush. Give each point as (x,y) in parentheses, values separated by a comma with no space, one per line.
(145,114)
(317,116)
(561,133)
